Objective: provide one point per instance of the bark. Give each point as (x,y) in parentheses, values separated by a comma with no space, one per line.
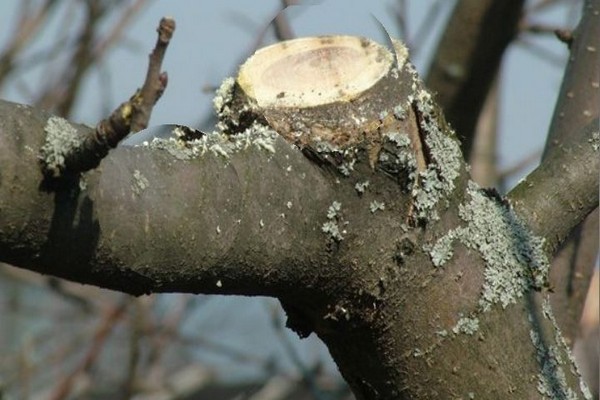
(338,189)
(577,105)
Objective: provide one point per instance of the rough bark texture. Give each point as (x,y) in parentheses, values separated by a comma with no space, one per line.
(422,284)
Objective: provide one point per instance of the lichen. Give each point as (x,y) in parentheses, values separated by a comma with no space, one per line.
(331,227)
(223,97)
(552,380)
(217,143)
(61,141)
(333,230)
(560,340)
(515,260)
(437,181)
(466,325)
(140,182)
(376,206)
(595,140)
(334,209)
(361,187)
(401,159)
(400,112)
(344,159)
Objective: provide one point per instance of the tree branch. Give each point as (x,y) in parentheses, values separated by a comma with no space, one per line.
(577,104)
(467,59)
(573,167)
(200,236)
(69,153)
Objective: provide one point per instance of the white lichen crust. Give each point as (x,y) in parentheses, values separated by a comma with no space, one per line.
(562,345)
(376,206)
(217,143)
(595,141)
(437,181)
(515,261)
(61,140)
(552,380)
(223,97)
(466,325)
(331,227)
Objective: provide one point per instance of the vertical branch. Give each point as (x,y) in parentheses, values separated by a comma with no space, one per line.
(156,81)
(467,60)
(578,103)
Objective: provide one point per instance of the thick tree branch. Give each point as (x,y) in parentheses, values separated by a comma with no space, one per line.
(467,59)
(366,228)
(146,222)
(577,104)
(563,189)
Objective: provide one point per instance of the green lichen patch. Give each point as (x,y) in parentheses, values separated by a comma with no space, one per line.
(61,141)
(515,261)
(217,143)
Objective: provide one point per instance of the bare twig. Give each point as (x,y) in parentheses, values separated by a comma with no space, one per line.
(156,81)
(131,116)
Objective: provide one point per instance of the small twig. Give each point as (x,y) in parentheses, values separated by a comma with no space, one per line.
(156,81)
(131,116)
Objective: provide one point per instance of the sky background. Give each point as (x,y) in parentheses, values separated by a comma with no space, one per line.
(213,37)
